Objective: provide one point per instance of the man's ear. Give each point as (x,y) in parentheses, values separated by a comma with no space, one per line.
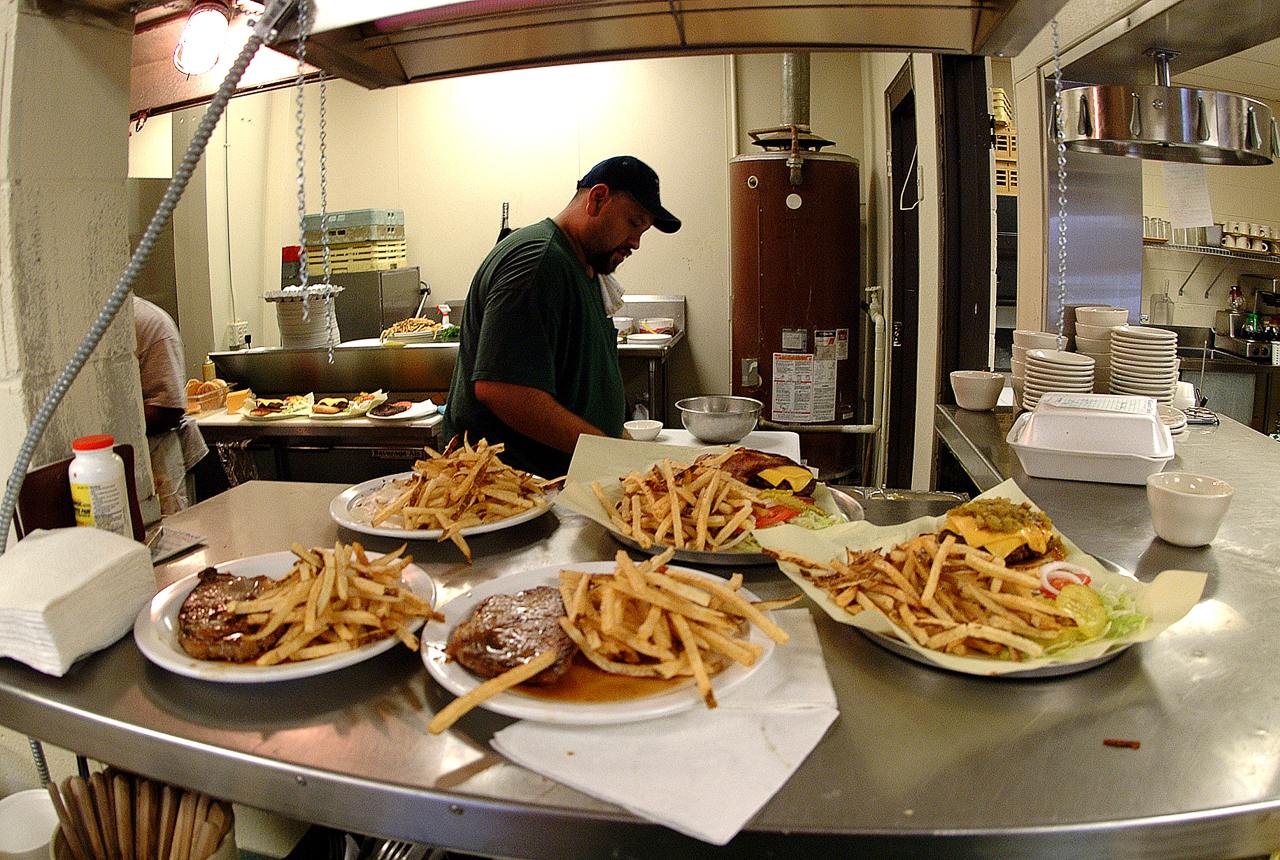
(596,197)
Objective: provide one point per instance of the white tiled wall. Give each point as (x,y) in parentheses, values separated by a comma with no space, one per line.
(1250,194)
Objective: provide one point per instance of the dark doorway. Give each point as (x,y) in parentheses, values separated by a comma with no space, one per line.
(904,262)
(964,154)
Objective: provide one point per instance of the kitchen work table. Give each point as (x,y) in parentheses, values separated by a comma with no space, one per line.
(396,444)
(921,762)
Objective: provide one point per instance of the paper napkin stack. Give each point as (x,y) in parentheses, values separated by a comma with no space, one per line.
(68,592)
(674,770)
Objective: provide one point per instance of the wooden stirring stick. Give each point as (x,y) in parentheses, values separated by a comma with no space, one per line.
(219,823)
(104,808)
(202,808)
(186,825)
(168,818)
(67,824)
(84,809)
(124,815)
(144,822)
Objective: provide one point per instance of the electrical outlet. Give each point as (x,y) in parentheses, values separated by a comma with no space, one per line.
(237,334)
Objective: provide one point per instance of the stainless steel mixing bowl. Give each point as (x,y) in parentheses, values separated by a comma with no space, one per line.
(719,419)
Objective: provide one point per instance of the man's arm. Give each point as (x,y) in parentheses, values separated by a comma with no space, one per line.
(161,418)
(534,413)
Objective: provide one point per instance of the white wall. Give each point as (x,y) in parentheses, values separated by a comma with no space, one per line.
(449,153)
(880,71)
(1234,195)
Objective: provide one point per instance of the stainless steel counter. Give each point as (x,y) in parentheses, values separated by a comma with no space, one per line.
(1114,518)
(920,764)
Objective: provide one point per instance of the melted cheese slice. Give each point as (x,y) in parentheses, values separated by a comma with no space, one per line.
(999,544)
(794,478)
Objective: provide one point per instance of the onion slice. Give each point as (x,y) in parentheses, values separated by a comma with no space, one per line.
(746,527)
(1061,570)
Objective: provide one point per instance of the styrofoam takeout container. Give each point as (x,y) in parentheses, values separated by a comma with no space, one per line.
(1107,438)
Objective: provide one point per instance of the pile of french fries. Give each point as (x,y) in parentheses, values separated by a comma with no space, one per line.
(411,325)
(646,620)
(650,621)
(335,600)
(467,485)
(944,595)
(698,506)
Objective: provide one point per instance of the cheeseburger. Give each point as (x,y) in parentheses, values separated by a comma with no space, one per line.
(1016,533)
(331,405)
(787,486)
(266,406)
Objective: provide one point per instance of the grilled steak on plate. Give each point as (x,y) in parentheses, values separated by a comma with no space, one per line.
(207,631)
(507,630)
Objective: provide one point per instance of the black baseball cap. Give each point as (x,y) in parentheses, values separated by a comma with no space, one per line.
(630,174)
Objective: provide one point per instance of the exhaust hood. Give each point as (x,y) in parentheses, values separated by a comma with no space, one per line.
(383,43)
(1166,123)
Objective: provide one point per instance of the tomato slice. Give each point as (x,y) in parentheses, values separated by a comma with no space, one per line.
(774,515)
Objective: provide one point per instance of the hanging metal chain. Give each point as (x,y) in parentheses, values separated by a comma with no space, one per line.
(324,183)
(304,25)
(1061,146)
(329,324)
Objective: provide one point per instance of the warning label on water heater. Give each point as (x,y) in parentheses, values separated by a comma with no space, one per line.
(804,388)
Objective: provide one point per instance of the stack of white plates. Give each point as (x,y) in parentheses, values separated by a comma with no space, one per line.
(1174,419)
(1144,360)
(1025,340)
(319,328)
(1055,370)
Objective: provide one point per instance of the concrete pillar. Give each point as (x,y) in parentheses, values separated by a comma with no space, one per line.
(64,108)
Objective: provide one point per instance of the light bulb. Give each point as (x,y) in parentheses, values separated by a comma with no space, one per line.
(201,40)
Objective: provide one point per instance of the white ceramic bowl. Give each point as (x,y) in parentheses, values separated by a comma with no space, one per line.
(1097,332)
(1101,315)
(719,419)
(1187,509)
(1035,339)
(643,430)
(1093,345)
(977,390)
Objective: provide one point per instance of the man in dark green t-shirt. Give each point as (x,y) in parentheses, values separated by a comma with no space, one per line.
(538,358)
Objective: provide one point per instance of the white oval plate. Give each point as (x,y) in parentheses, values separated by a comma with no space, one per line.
(155,630)
(648,339)
(421,409)
(357,411)
(1058,377)
(897,646)
(346,511)
(458,680)
(1147,333)
(426,336)
(1059,358)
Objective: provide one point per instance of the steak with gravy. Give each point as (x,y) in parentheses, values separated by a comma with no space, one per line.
(507,630)
(207,631)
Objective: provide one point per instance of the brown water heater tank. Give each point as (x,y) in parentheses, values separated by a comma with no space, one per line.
(796,293)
